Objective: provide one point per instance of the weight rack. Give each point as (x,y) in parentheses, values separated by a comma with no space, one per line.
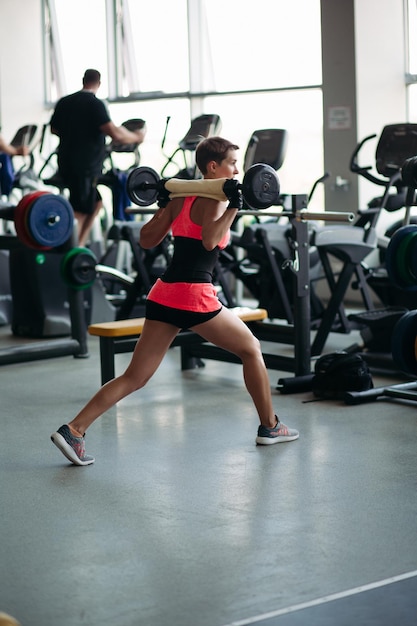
(75,345)
(297,334)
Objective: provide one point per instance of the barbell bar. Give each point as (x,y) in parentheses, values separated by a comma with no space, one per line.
(302,215)
(260,187)
(79,269)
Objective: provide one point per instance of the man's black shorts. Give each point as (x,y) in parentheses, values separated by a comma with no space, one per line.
(83,193)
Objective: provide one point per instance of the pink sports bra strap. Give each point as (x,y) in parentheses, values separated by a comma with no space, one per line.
(183,226)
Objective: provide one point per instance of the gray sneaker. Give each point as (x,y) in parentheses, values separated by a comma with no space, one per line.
(278,434)
(71,447)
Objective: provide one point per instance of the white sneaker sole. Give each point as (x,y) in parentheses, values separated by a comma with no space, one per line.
(67,451)
(268,441)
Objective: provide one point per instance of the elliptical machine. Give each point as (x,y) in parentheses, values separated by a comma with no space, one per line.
(397,143)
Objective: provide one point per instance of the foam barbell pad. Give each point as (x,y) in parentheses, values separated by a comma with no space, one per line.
(202,187)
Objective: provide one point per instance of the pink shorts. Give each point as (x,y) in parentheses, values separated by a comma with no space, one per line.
(197,297)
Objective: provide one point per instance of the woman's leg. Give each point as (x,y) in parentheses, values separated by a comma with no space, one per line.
(227,331)
(150,349)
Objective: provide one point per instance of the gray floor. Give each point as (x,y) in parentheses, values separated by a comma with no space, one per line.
(183,520)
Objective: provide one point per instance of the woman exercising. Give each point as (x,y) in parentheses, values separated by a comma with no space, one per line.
(185,298)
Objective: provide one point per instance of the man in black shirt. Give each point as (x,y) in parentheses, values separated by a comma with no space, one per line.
(82,122)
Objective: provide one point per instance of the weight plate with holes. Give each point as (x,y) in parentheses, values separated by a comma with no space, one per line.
(141,185)
(260,186)
(50,220)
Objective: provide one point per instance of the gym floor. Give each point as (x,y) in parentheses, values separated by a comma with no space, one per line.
(184,521)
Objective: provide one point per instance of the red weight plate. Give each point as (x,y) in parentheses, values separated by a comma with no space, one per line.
(20,220)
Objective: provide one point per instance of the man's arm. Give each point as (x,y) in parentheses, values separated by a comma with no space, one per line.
(120,134)
(12,150)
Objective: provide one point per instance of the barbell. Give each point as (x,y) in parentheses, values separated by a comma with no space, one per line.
(42,220)
(260,187)
(79,269)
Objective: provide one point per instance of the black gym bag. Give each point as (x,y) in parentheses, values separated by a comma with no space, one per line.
(338,372)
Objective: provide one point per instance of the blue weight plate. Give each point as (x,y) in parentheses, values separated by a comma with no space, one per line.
(50,220)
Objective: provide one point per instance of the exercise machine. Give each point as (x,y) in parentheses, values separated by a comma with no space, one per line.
(396,144)
(261,190)
(40,309)
(203,126)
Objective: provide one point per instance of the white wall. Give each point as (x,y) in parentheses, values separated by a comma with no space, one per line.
(21,69)
(380,69)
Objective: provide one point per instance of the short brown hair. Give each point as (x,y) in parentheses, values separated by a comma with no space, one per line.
(91,77)
(212,149)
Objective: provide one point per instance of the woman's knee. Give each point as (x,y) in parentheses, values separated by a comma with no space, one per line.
(132,381)
(251,349)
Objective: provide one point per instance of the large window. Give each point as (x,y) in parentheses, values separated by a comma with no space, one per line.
(411,12)
(257,65)
(159,44)
(74,43)
(264,44)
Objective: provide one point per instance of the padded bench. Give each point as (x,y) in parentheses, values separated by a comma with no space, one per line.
(121,336)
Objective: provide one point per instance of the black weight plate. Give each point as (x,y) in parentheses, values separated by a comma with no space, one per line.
(412,257)
(50,220)
(78,268)
(403,343)
(260,186)
(391,258)
(402,259)
(141,185)
(66,263)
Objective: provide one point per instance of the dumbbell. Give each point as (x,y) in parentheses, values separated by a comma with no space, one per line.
(42,220)
(260,187)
